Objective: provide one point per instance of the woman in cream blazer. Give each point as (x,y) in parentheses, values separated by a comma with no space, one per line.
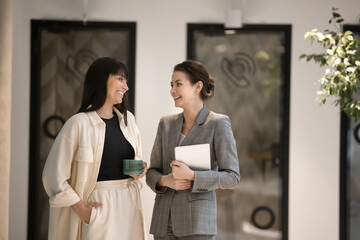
(71,171)
(185,203)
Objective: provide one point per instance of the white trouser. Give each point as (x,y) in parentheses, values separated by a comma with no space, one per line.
(120,217)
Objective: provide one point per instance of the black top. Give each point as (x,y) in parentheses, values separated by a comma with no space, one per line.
(116,148)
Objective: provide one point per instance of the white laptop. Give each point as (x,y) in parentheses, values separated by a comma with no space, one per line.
(195,156)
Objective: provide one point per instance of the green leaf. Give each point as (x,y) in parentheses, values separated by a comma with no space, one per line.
(357,84)
(312,38)
(336,15)
(332,91)
(302,56)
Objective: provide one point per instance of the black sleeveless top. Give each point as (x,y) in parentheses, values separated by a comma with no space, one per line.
(116,149)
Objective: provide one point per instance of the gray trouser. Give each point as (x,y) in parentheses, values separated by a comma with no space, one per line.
(170,235)
(193,237)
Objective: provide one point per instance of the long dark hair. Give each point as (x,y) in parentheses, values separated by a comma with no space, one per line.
(95,85)
(198,72)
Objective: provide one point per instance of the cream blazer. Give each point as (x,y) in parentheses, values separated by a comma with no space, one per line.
(71,169)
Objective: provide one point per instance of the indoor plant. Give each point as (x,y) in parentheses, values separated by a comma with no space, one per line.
(341,60)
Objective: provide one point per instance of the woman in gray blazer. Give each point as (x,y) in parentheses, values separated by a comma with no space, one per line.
(185,203)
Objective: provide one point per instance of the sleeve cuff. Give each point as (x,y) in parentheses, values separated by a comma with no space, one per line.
(64,199)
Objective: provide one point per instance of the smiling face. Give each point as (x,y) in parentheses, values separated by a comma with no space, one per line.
(184,93)
(116,88)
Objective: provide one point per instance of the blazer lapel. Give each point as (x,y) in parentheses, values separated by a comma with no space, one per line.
(193,133)
(174,134)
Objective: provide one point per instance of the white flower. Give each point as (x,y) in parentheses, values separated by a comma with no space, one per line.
(337,61)
(330,52)
(323,80)
(346,61)
(347,78)
(350,38)
(319,92)
(357,63)
(339,51)
(320,36)
(350,69)
(352,105)
(327,71)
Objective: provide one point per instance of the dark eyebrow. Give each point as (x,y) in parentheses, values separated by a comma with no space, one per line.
(121,77)
(178,80)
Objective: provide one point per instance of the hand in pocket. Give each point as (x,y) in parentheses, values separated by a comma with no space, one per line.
(84,209)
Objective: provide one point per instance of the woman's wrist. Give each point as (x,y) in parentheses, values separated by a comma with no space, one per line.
(191,176)
(162,181)
(78,207)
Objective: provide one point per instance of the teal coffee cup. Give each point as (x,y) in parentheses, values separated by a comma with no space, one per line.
(133,166)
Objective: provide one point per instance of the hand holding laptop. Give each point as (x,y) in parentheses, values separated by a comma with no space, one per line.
(181,171)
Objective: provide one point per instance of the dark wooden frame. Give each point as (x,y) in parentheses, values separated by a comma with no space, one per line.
(344,130)
(344,122)
(57,25)
(284,153)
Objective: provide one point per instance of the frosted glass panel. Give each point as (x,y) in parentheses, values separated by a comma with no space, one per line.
(251,87)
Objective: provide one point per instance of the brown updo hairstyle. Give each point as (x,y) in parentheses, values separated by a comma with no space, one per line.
(198,72)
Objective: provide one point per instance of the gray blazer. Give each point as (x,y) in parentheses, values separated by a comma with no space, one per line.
(192,211)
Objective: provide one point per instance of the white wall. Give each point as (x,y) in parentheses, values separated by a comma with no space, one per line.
(161,43)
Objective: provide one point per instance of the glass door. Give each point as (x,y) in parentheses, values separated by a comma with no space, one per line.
(251,68)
